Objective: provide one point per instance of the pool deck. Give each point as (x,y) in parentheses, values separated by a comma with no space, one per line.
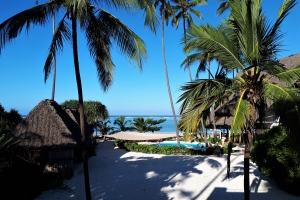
(117,174)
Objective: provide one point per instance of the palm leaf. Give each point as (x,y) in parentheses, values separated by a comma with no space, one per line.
(289,76)
(62,33)
(241,113)
(13,26)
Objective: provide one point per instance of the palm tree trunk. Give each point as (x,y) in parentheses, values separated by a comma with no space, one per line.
(248,145)
(167,76)
(81,110)
(54,59)
(204,132)
(188,65)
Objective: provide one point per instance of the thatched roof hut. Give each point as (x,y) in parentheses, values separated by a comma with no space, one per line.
(48,125)
(51,134)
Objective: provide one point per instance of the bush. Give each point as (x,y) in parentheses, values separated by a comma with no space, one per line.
(213,140)
(168,150)
(273,154)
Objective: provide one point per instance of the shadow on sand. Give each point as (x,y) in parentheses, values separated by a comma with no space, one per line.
(117,174)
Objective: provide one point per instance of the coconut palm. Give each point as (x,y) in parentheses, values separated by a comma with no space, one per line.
(184,10)
(101,29)
(149,125)
(249,42)
(166,11)
(104,127)
(121,123)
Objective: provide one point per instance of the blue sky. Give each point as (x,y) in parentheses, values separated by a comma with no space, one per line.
(133,92)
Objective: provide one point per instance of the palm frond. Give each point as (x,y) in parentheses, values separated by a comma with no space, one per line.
(241,113)
(13,26)
(62,33)
(151,18)
(99,31)
(218,40)
(289,76)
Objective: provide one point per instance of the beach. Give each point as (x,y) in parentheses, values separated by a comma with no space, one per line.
(117,174)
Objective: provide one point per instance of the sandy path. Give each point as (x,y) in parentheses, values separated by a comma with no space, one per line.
(117,174)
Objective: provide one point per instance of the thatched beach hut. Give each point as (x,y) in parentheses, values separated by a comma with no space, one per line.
(50,134)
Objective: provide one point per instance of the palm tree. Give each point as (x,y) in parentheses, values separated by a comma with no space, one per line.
(165,11)
(104,127)
(100,28)
(149,125)
(121,123)
(54,59)
(184,9)
(249,42)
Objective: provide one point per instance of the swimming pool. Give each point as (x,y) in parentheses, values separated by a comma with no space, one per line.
(196,145)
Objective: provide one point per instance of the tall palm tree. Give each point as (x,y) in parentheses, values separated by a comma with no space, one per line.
(54,59)
(184,10)
(101,29)
(165,11)
(250,43)
(121,123)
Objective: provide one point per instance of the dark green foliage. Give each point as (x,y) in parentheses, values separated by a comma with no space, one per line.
(122,124)
(92,110)
(8,120)
(149,125)
(277,159)
(213,140)
(169,150)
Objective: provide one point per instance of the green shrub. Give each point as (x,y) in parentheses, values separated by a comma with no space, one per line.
(168,150)
(213,140)
(214,150)
(273,154)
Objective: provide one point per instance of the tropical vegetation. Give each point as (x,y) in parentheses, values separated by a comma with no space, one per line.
(93,110)
(102,31)
(183,9)
(8,120)
(149,125)
(165,13)
(275,157)
(165,150)
(122,124)
(250,43)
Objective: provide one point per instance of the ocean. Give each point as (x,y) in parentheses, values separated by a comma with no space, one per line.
(167,126)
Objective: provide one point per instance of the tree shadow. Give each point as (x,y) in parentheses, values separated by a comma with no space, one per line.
(117,174)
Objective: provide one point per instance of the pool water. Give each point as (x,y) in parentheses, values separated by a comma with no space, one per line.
(182,144)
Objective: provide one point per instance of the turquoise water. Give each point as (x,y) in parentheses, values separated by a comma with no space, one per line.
(182,144)
(167,126)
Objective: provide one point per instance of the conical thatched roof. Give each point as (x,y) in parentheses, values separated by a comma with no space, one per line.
(48,125)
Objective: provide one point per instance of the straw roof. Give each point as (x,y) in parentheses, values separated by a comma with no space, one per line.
(49,125)
(140,136)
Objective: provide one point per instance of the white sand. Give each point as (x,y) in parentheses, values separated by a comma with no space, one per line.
(117,174)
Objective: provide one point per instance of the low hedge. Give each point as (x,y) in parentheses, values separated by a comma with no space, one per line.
(273,154)
(168,150)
